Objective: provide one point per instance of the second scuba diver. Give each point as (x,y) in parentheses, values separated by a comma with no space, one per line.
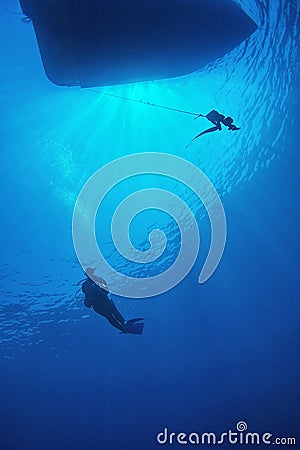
(99,299)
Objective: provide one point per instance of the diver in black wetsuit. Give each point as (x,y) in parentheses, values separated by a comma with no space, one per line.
(215,118)
(98,298)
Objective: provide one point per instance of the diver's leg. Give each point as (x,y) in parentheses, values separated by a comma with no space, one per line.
(108,314)
(209,130)
(114,322)
(117,313)
(218,125)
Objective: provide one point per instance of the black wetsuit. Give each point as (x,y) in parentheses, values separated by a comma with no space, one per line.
(98,298)
(215,118)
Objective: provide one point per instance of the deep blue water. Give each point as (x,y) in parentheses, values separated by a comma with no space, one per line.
(212,354)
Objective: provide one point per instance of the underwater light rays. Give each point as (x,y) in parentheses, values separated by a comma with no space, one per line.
(252,64)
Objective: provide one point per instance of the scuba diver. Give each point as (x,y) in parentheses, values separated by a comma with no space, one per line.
(98,297)
(215,118)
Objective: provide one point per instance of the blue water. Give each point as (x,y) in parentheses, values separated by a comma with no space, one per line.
(212,354)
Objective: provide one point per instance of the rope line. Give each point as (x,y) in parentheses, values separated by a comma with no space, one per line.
(144,102)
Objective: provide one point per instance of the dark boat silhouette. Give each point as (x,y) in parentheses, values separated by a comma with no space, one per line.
(105,42)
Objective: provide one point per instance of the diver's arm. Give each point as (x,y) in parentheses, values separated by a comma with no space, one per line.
(91,274)
(199,115)
(100,281)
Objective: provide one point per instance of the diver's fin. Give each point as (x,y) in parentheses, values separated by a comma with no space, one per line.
(133,326)
(138,319)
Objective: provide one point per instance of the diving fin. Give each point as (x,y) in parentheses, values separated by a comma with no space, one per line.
(138,319)
(133,326)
